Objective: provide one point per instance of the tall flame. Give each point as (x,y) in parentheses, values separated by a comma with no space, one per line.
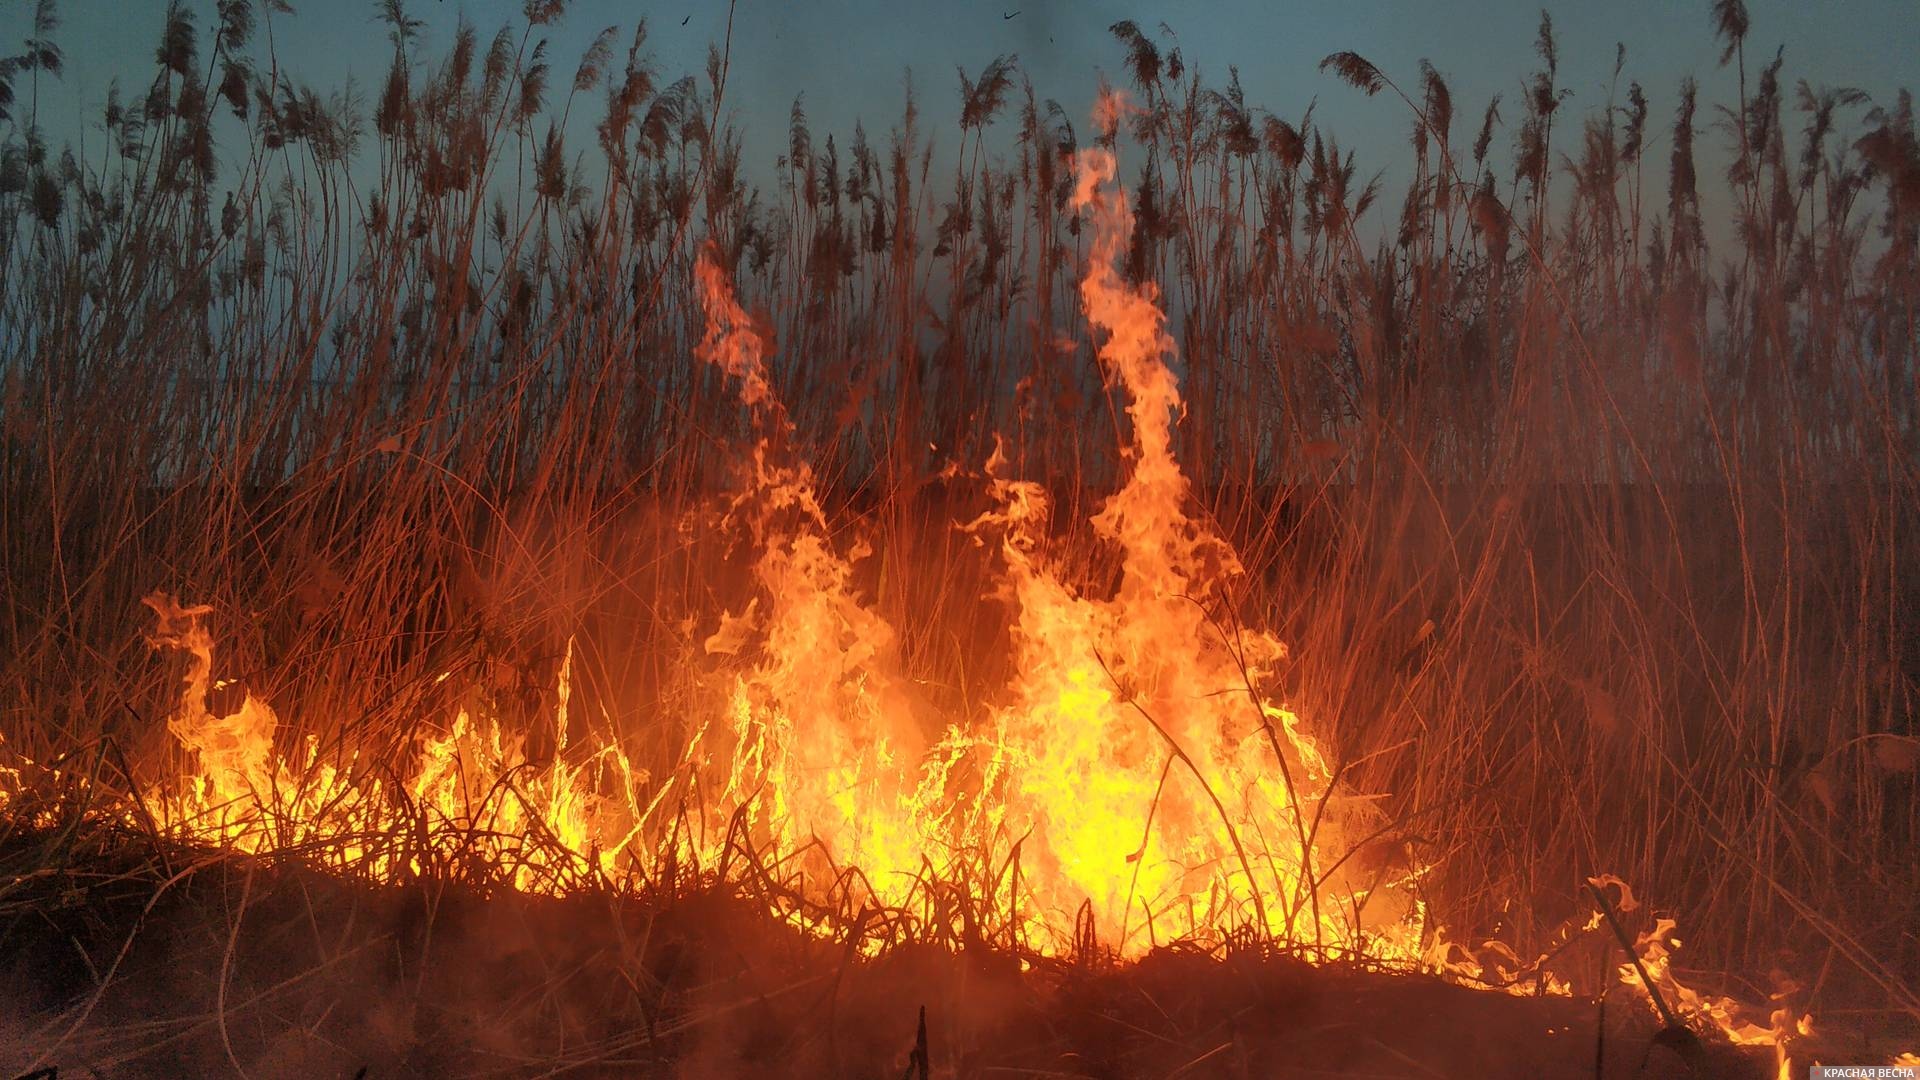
(1156,780)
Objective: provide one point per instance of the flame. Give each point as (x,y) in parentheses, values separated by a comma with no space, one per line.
(1150,775)
(1655,948)
(1135,783)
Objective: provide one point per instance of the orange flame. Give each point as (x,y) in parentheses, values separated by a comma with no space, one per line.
(1152,777)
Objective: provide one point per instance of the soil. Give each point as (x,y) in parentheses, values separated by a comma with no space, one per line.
(149,963)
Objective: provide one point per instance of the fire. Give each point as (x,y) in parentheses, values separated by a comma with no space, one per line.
(1655,948)
(1154,778)
(1653,952)
(235,752)
(1136,781)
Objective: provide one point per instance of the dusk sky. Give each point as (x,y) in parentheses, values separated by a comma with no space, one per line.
(848,56)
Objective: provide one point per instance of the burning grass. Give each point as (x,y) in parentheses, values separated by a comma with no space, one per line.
(1135,571)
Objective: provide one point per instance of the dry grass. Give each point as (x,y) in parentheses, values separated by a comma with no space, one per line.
(1592,543)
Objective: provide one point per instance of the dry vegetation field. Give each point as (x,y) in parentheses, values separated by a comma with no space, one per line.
(1590,545)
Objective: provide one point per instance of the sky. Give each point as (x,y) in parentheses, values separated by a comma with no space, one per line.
(848,57)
